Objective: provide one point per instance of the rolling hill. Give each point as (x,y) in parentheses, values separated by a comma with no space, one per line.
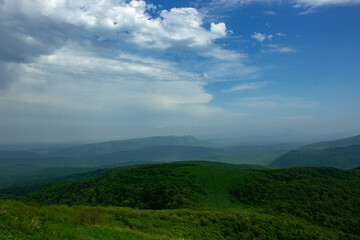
(42,180)
(311,194)
(345,158)
(198,200)
(345,142)
(343,153)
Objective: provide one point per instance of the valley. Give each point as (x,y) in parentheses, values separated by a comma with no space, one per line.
(177,191)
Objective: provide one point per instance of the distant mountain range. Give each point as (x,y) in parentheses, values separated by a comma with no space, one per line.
(342,153)
(21,166)
(24,167)
(96,149)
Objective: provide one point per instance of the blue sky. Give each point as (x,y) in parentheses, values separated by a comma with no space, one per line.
(99,70)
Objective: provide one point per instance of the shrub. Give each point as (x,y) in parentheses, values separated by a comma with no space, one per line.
(87,215)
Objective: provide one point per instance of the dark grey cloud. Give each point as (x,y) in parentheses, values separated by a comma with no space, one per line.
(7,73)
(23,38)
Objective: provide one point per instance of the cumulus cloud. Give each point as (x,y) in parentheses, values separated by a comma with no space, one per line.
(261,37)
(32,29)
(119,19)
(219,28)
(67,64)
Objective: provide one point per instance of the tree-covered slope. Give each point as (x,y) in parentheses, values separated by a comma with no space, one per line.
(345,142)
(35,184)
(323,196)
(314,199)
(148,187)
(345,158)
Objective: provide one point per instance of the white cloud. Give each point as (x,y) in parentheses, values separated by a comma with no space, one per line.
(317,3)
(219,28)
(247,86)
(227,5)
(65,64)
(261,37)
(275,48)
(119,19)
(222,54)
(70,78)
(273,13)
(276,102)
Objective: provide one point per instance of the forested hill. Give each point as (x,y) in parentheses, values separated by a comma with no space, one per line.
(308,193)
(304,199)
(345,142)
(343,153)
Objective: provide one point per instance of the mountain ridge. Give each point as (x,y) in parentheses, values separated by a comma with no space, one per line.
(340,153)
(94,149)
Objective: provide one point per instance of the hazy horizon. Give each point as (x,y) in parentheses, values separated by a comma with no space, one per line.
(243,71)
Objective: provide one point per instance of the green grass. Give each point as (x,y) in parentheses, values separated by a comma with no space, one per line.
(27,221)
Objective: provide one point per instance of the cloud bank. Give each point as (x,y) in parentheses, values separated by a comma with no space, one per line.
(107,63)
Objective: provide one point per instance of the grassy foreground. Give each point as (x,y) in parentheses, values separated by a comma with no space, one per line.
(28,221)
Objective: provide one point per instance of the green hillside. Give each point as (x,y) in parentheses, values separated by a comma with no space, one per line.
(28,221)
(345,158)
(207,203)
(210,181)
(35,184)
(322,196)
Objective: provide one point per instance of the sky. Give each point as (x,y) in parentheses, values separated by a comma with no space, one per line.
(93,70)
